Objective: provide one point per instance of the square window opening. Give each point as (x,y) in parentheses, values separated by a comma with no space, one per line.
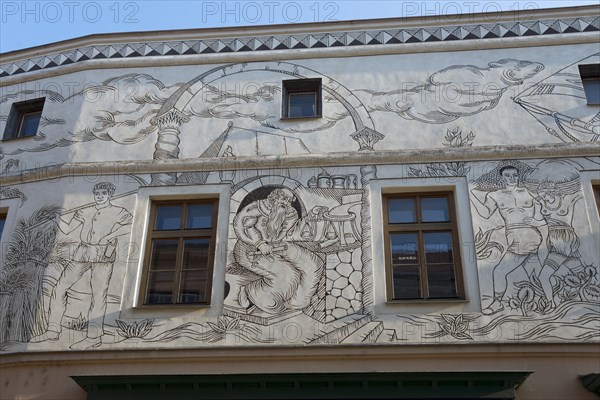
(180,252)
(590,78)
(302,98)
(3,216)
(422,247)
(24,119)
(596,190)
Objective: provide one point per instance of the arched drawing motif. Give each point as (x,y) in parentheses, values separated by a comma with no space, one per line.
(239,195)
(184,95)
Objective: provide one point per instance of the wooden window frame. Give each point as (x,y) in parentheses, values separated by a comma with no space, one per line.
(419,228)
(300,86)
(180,234)
(18,112)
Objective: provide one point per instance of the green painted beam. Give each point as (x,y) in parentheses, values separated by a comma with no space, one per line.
(592,383)
(417,385)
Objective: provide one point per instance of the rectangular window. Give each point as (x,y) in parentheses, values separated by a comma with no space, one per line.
(24,119)
(302,98)
(2,222)
(180,252)
(590,77)
(421,247)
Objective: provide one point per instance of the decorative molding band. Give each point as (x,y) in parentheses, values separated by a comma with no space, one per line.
(391,157)
(348,39)
(304,354)
(303,54)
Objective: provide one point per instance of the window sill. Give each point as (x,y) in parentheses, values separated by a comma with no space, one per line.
(19,138)
(301,118)
(170,306)
(422,301)
(170,311)
(421,307)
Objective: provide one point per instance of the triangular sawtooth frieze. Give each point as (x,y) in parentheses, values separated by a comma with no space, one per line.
(480,31)
(559,26)
(31,66)
(299,42)
(198,47)
(16,69)
(539,28)
(371,37)
(305,41)
(97,54)
(190,48)
(180,47)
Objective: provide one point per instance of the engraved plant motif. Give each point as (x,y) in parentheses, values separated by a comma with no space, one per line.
(582,285)
(79,324)
(136,329)
(579,286)
(485,247)
(228,325)
(225,325)
(454,140)
(33,247)
(524,300)
(456,326)
(10,193)
(213,332)
(530,297)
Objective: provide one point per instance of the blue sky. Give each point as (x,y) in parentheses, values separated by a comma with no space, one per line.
(32,23)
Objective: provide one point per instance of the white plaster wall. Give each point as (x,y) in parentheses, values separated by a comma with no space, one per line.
(107,115)
(88,100)
(574,319)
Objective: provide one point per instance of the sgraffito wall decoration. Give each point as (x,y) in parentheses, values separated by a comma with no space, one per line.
(483,86)
(299,265)
(550,102)
(159,119)
(60,264)
(295,265)
(538,265)
(297,250)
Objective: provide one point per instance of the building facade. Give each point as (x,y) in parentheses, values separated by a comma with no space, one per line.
(402,208)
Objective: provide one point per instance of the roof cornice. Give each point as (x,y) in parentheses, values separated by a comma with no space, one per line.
(385,35)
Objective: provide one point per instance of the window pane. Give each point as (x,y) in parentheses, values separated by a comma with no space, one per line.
(440,278)
(193,287)
(29,124)
(404,248)
(168,218)
(199,216)
(402,211)
(405,265)
(406,282)
(592,90)
(195,254)
(2,222)
(160,288)
(438,247)
(164,254)
(302,104)
(434,209)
